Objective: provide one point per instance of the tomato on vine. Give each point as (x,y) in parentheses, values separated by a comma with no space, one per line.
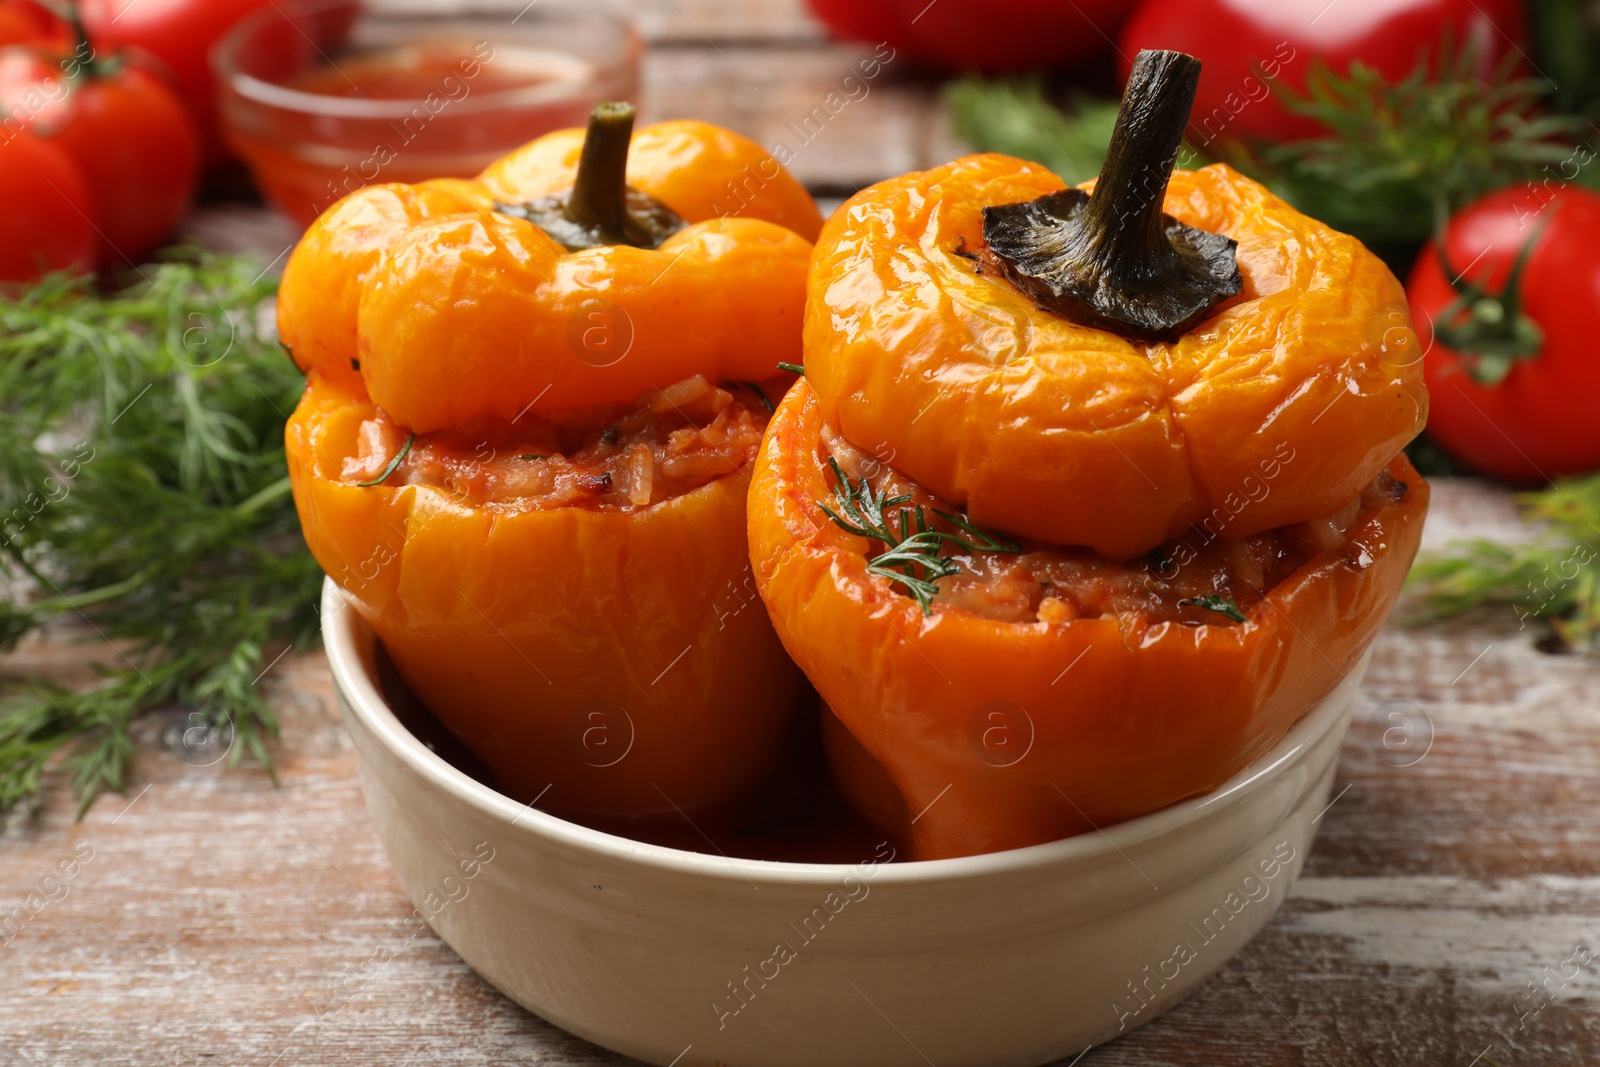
(180,33)
(1505,303)
(124,129)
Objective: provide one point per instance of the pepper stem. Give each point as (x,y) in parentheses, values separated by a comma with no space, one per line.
(600,208)
(1114,260)
(1124,212)
(599,193)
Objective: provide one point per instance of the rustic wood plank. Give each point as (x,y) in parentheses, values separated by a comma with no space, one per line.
(668,23)
(844,130)
(700,22)
(218,916)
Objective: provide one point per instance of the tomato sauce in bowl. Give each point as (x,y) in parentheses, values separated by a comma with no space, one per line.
(324,99)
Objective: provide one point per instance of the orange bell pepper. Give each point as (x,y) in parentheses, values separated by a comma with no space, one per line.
(362,291)
(1108,717)
(549,537)
(1042,427)
(1096,376)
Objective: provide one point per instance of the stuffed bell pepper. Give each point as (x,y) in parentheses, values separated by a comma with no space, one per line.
(524,450)
(1089,493)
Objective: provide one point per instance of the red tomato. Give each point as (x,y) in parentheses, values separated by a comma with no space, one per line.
(992,36)
(1251,48)
(127,132)
(1535,333)
(181,34)
(45,209)
(25,22)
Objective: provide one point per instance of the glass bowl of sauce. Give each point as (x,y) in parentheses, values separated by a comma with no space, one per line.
(324,97)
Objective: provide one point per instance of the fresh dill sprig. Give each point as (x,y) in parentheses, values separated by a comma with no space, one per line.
(1015,117)
(911,555)
(1554,578)
(142,491)
(1399,154)
(759,393)
(392,466)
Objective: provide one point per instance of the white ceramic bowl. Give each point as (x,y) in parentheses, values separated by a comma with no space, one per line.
(1013,958)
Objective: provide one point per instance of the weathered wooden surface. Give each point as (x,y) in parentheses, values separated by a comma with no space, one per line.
(1459,862)
(1455,873)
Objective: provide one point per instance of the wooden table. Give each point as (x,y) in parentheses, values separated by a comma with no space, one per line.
(209,913)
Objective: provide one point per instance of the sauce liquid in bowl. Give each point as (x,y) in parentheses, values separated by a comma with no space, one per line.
(412,72)
(408,99)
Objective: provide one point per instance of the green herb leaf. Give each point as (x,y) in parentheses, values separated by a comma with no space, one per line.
(1222,605)
(793,368)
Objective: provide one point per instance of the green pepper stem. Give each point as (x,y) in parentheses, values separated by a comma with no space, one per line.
(599,192)
(600,209)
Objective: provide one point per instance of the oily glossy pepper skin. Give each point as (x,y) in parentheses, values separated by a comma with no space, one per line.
(921,353)
(1117,717)
(454,312)
(320,297)
(577,649)
(609,661)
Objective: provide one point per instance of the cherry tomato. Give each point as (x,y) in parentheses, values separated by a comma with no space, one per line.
(25,22)
(992,36)
(1510,353)
(45,209)
(1253,48)
(126,130)
(181,34)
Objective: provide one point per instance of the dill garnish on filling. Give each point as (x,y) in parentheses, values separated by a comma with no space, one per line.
(911,556)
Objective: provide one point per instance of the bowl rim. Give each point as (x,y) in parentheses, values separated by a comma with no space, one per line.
(340,623)
(225,68)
